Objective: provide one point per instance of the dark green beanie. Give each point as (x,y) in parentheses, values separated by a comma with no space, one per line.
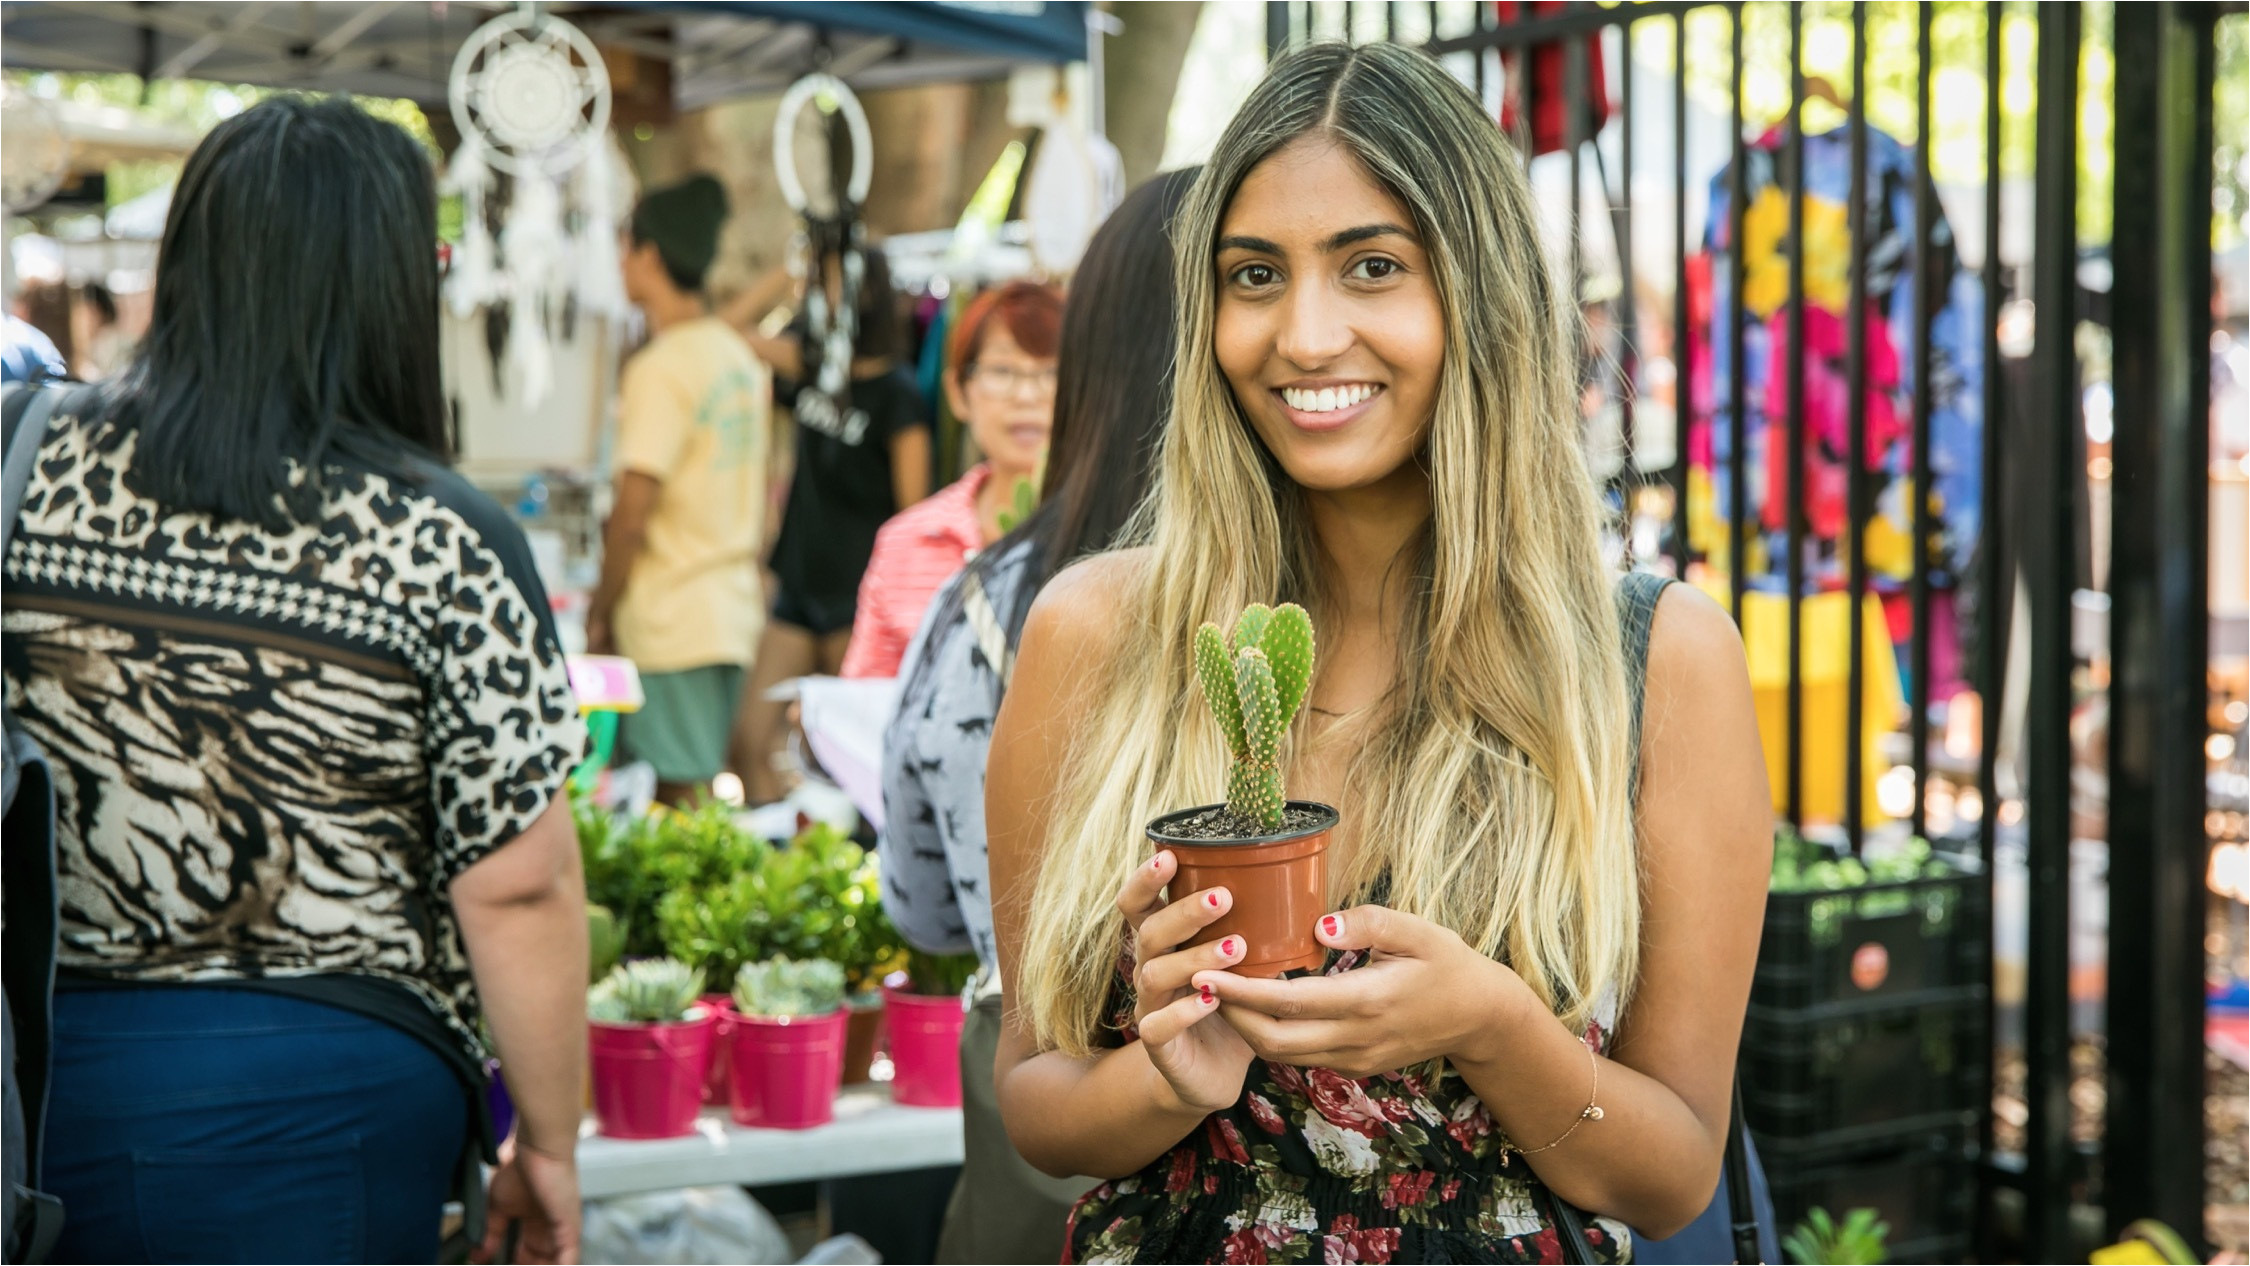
(684,221)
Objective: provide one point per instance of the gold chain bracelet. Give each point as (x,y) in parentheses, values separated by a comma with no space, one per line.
(1591,1112)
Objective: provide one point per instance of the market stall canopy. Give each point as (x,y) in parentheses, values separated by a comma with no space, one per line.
(391,49)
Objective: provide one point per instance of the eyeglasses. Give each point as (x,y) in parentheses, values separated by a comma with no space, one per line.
(1002,381)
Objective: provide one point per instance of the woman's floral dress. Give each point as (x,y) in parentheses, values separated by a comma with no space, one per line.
(1312,1166)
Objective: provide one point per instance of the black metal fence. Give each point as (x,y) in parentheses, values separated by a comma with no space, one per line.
(1553,74)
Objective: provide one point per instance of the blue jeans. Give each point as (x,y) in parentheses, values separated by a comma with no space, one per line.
(206,1124)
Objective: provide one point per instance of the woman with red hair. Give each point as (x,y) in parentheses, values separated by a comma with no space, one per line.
(1001,384)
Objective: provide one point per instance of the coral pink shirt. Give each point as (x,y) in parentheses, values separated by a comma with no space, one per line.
(915,554)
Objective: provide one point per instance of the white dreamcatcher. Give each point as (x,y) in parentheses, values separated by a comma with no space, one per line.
(36,159)
(829,335)
(531,98)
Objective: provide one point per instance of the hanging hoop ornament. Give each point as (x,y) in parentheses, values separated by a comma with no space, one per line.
(816,85)
(533,88)
(37,158)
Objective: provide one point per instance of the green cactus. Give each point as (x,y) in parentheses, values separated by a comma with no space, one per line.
(783,986)
(1255,693)
(605,939)
(645,991)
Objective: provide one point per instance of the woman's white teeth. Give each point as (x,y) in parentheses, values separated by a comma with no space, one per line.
(1328,399)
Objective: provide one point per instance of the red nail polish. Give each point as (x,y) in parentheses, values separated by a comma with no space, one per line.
(1226,948)
(1331,927)
(1212,899)
(1205,991)
(1156,861)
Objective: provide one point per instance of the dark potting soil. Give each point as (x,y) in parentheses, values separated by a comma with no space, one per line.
(1222,824)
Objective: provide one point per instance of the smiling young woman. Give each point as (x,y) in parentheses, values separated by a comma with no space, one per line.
(1546,914)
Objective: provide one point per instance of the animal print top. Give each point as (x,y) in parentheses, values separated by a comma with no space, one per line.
(273,753)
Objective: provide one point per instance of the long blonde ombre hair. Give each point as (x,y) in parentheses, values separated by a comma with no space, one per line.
(1493,794)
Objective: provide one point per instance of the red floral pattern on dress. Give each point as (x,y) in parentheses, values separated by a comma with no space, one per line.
(1312,1166)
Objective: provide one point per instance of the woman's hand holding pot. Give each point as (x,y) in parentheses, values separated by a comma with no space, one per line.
(1424,994)
(1198,1054)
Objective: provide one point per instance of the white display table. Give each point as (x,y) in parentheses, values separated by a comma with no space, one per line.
(870,1135)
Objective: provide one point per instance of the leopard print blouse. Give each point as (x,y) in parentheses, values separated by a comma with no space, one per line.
(274,752)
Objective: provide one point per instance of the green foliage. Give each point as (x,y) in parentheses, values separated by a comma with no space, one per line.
(645,991)
(673,880)
(709,926)
(1801,866)
(1255,692)
(939,975)
(819,897)
(1858,1242)
(696,887)
(605,939)
(781,986)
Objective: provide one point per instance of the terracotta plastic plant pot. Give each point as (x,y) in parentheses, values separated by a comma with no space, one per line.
(648,1078)
(863,1036)
(925,1036)
(787,1069)
(1279,884)
(722,1046)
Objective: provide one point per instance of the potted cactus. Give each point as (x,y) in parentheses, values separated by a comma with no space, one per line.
(923,1008)
(1268,851)
(788,1042)
(651,1047)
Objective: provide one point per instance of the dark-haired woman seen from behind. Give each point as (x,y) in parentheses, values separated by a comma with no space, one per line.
(1113,393)
(310,729)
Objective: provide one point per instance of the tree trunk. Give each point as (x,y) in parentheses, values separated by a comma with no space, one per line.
(1141,68)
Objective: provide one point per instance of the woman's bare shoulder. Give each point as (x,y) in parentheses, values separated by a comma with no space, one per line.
(1085,606)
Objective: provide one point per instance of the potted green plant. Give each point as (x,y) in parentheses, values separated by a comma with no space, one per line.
(788,1042)
(819,897)
(1267,851)
(923,1007)
(650,1043)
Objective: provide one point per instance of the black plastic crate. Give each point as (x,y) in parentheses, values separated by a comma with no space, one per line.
(1922,1181)
(1813,1073)
(1882,940)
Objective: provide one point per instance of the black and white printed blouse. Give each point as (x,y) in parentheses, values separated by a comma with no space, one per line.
(936,877)
(273,752)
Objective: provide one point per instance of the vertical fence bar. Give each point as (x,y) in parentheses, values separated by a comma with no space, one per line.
(1925,303)
(1796,430)
(1738,422)
(1390,21)
(1277,28)
(1995,578)
(1477,23)
(2050,563)
(2159,615)
(1683,332)
(1855,702)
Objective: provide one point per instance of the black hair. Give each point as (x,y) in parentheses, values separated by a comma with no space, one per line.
(101,300)
(1113,396)
(683,222)
(688,280)
(295,321)
(879,331)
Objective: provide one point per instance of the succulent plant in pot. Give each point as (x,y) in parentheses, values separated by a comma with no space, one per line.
(1268,851)
(788,1042)
(650,1040)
